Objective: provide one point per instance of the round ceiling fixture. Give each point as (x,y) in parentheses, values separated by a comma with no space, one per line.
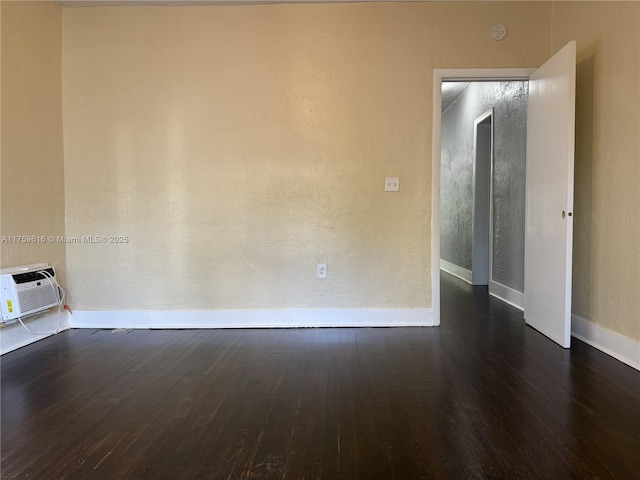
(498,31)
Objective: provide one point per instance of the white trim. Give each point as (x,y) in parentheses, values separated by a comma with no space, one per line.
(459,74)
(618,346)
(483,74)
(475,271)
(507,294)
(14,335)
(456,271)
(435,197)
(277,318)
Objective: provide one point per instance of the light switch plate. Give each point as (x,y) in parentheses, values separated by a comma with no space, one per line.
(391,184)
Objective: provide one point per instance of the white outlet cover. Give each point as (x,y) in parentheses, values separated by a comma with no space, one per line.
(391,184)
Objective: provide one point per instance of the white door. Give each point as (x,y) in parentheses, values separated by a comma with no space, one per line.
(549,178)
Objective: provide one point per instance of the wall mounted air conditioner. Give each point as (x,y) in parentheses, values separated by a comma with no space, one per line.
(27,290)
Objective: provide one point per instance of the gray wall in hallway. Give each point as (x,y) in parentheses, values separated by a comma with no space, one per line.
(509,100)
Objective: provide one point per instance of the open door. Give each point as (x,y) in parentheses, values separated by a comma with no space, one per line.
(549,210)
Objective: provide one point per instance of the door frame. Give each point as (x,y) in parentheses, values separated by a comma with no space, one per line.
(487,217)
(462,75)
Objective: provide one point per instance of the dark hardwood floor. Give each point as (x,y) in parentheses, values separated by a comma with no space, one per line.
(483,396)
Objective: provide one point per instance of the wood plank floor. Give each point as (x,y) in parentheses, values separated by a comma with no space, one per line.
(483,396)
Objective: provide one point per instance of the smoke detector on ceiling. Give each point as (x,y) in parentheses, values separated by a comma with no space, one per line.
(498,31)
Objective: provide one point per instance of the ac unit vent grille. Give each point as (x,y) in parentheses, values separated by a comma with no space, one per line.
(33,276)
(37,298)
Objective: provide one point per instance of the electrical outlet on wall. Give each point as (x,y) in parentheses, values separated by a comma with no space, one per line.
(321,270)
(392,184)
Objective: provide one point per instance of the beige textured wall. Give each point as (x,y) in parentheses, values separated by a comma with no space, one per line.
(32,161)
(237,147)
(607,191)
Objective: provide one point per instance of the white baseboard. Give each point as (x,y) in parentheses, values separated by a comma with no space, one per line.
(14,336)
(507,294)
(618,346)
(456,271)
(284,318)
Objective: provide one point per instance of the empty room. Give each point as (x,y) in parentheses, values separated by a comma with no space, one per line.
(328,240)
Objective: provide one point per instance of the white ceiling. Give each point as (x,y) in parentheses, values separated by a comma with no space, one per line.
(450,93)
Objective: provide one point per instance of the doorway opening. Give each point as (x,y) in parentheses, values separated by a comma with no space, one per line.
(442,101)
(482,200)
(549,160)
